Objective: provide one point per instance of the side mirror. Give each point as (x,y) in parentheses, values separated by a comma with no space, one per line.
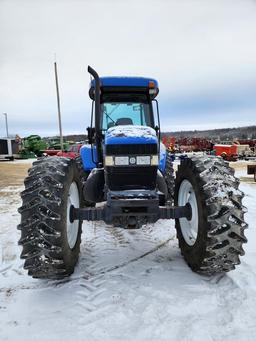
(157,129)
(91,135)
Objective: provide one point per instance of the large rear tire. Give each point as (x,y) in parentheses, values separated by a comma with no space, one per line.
(211,242)
(50,242)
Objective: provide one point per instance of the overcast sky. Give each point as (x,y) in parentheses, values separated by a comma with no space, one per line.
(202,52)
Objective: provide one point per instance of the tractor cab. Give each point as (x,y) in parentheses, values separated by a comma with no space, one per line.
(125,101)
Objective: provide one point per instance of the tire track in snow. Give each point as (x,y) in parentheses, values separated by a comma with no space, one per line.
(116,267)
(90,264)
(99,254)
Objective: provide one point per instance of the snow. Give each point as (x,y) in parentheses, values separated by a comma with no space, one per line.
(128,285)
(131,131)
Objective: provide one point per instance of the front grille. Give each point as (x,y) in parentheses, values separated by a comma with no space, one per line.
(131,177)
(131,149)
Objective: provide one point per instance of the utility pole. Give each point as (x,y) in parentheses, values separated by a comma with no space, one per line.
(6,124)
(58,104)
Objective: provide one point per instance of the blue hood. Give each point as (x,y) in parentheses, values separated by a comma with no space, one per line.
(130,134)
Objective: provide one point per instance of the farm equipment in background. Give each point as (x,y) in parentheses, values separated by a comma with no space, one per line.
(233,152)
(8,148)
(251,169)
(250,142)
(228,152)
(169,143)
(187,144)
(247,149)
(128,171)
(194,144)
(35,144)
(54,147)
(50,152)
(72,152)
(31,147)
(244,151)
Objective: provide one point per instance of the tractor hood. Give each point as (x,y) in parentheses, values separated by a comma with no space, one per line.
(130,134)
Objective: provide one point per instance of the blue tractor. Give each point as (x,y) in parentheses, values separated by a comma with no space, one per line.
(127,169)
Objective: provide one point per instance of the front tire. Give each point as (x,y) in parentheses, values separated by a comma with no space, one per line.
(211,242)
(50,242)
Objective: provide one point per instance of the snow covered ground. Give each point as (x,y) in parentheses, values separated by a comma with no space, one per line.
(128,285)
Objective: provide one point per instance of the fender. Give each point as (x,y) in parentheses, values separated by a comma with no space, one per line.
(89,157)
(162,157)
(94,186)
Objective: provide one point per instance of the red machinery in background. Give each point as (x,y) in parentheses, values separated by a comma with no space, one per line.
(186,144)
(229,152)
(72,152)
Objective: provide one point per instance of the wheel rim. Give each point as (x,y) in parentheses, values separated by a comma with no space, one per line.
(72,228)
(189,228)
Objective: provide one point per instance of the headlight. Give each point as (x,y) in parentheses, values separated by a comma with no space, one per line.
(143,160)
(109,161)
(154,160)
(121,160)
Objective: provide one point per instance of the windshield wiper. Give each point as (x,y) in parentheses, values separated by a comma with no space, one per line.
(108,115)
(110,118)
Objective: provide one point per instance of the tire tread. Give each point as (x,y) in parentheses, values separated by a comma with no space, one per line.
(41,226)
(223,212)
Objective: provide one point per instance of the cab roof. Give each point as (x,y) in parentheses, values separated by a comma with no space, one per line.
(126,84)
(126,81)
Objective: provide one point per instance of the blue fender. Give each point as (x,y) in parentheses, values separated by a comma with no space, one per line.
(88,155)
(162,157)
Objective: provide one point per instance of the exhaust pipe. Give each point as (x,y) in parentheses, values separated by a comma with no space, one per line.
(97,114)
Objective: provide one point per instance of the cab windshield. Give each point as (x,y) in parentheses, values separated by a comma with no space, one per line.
(126,113)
